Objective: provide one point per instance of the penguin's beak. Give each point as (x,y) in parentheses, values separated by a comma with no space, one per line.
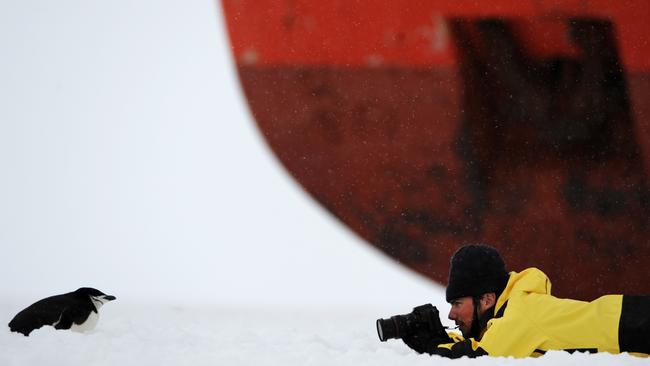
(108,297)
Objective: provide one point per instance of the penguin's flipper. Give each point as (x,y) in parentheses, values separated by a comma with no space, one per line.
(65,322)
(80,317)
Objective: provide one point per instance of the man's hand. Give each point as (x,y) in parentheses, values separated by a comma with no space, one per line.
(424,342)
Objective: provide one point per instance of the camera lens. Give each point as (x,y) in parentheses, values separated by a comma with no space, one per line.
(386,329)
(423,318)
(380,331)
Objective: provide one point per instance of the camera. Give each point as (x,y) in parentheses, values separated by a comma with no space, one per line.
(423,319)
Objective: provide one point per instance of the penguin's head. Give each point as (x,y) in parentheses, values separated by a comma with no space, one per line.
(98,298)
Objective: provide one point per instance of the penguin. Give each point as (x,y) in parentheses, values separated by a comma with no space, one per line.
(77,311)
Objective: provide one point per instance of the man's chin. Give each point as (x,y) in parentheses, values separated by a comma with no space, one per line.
(465,332)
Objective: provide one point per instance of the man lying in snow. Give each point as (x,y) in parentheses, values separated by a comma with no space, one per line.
(514,314)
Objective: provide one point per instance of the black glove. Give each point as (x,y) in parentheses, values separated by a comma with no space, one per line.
(424,342)
(432,335)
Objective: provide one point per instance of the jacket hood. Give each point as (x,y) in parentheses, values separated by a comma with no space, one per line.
(530,280)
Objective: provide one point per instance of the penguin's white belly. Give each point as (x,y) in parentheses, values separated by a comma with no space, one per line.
(89,324)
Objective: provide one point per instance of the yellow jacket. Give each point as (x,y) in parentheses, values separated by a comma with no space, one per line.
(528,321)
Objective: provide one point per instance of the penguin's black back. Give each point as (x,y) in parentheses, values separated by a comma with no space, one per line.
(64,310)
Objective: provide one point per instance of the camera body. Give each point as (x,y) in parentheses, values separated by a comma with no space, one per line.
(424,319)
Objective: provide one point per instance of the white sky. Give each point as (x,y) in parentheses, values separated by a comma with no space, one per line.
(130,163)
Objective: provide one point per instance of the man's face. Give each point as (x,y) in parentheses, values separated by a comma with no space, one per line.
(462,312)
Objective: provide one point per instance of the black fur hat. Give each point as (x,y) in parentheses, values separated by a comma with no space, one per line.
(476,269)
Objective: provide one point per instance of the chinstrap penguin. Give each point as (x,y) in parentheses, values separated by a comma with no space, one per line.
(77,311)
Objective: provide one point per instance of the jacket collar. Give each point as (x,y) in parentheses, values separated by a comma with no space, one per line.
(530,280)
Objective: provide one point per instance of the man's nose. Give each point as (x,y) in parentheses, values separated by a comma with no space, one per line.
(451,315)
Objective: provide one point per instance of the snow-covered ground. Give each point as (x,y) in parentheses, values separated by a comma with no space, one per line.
(256,336)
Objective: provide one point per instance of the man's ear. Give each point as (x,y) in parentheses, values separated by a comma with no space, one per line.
(488,300)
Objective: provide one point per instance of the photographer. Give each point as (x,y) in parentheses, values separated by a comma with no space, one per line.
(514,314)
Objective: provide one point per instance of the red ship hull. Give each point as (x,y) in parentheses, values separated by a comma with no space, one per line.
(523,124)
